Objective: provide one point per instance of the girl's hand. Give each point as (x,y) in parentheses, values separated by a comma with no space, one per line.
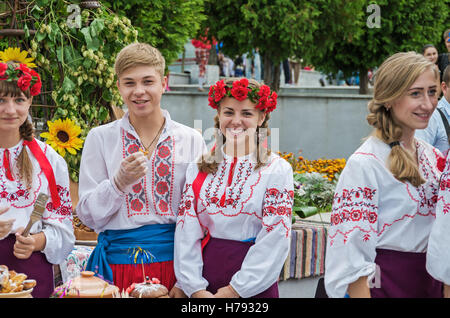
(226,292)
(26,245)
(202,294)
(176,292)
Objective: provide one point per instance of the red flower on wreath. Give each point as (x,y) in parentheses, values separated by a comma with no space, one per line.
(24,76)
(3,68)
(239,89)
(36,89)
(24,81)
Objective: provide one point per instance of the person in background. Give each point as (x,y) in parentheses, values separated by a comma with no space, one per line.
(444,58)
(385,199)
(201,58)
(431,53)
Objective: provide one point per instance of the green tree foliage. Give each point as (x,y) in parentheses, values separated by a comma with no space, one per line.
(279,28)
(165,24)
(405,25)
(74,51)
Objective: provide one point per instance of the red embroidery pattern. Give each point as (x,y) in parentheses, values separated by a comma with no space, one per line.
(22,198)
(65,210)
(163,177)
(278,202)
(185,204)
(355,205)
(276,206)
(136,200)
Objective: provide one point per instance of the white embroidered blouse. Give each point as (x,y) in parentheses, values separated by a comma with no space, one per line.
(373,210)
(152,200)
(237,203)
(438,253)
(56,223)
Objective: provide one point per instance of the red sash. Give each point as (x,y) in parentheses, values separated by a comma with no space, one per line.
(7,165)
(196,187)
(46,168)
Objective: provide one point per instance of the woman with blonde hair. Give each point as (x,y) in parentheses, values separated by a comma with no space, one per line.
(233,227)
(385,199)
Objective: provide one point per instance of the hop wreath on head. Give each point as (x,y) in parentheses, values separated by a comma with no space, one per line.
(24,76)
(265,100)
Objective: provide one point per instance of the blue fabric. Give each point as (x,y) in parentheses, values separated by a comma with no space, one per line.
(148,244)
(252,239)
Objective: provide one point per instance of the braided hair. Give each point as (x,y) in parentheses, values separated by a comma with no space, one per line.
(394,77)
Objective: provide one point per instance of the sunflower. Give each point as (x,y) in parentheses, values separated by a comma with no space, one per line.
(62,135)
(14,54)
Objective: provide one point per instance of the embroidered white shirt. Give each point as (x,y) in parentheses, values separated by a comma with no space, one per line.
(438,253)
(372,209)
(55,223)
(152,200)
(250,204)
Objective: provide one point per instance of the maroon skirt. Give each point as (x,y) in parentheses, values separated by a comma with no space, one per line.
(36,267)
(403,275)
(222,259)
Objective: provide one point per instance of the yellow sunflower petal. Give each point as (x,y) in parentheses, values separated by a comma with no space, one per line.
(15,54)
(71,142)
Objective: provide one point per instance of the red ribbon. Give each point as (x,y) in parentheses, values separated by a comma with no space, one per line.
(7,165)
(46,168)
(196,187)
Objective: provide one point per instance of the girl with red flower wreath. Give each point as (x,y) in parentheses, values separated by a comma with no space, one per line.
(29,167)
(233,227)
(385,201)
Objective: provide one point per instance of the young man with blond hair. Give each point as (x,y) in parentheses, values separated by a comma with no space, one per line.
(132,174)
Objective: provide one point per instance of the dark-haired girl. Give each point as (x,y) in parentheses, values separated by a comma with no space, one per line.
(29,167)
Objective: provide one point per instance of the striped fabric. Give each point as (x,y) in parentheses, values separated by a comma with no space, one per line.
(306,257)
